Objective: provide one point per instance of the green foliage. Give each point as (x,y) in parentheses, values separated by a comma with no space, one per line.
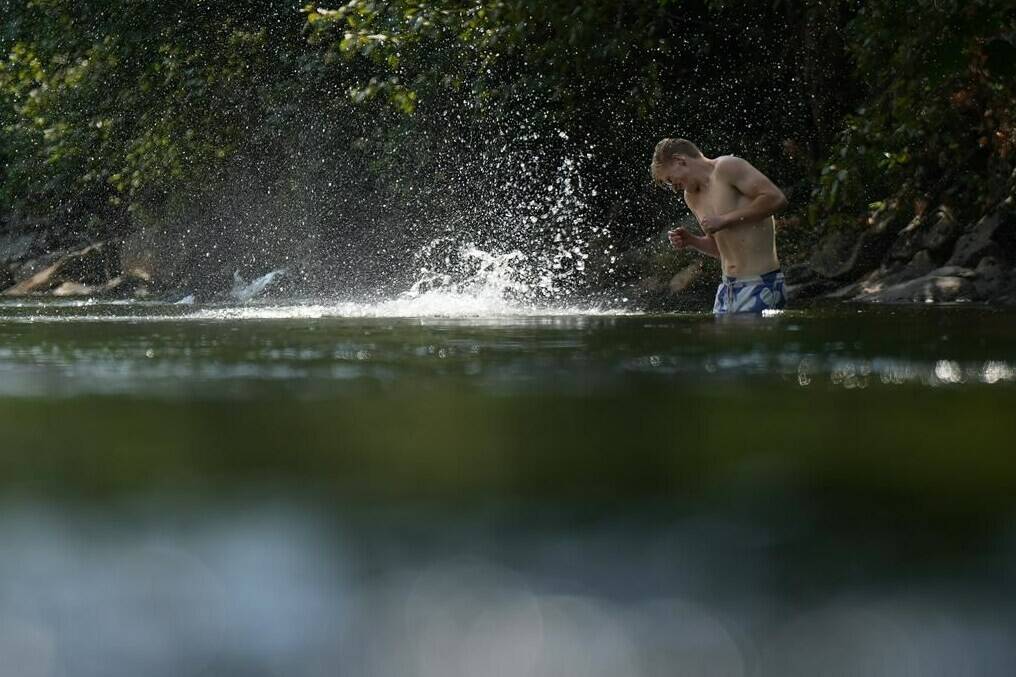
(610,77)
(552,51)
(111,109)
(108,106)
(938,122)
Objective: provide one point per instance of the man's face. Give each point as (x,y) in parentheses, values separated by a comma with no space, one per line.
(676,174)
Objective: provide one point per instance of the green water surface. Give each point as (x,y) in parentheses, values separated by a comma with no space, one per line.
(899,401)
(829,453)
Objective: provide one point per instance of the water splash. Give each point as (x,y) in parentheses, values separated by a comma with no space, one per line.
(519,248)
(462,280)
(245,291)
(457,280)
(529,257)
(437,303)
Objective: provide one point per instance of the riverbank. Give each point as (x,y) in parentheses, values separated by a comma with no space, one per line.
(934,257)
(931,258)
(40,262)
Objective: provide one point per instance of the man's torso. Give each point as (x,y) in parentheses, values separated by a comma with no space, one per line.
(746,249)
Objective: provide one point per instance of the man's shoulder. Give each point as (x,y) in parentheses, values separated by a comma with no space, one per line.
(730,163)
(733,169)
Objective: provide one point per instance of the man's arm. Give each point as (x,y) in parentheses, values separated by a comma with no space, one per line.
(766,198)
(681,238)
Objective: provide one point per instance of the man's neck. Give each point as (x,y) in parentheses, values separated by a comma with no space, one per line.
(703,171)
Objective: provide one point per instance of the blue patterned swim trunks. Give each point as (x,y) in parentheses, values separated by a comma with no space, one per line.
(750,294)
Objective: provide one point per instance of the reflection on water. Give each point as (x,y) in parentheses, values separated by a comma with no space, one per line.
(492,306)
(275,590)
(62,349)
(320,490)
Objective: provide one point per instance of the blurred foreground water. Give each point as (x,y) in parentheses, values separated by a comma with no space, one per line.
(333,489)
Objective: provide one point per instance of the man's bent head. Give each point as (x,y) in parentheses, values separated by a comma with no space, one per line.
(669,166)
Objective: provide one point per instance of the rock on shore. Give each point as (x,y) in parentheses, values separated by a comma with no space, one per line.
(931,259)
(92,270)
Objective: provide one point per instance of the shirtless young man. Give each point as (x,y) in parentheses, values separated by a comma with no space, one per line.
(734,203)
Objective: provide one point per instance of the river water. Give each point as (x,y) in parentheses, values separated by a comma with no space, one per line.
(418,488)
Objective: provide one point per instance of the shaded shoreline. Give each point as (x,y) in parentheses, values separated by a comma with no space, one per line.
(930,259)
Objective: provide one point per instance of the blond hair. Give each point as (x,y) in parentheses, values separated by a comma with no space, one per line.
(665,152)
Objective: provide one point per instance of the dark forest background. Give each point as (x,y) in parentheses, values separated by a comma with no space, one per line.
(253,134)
